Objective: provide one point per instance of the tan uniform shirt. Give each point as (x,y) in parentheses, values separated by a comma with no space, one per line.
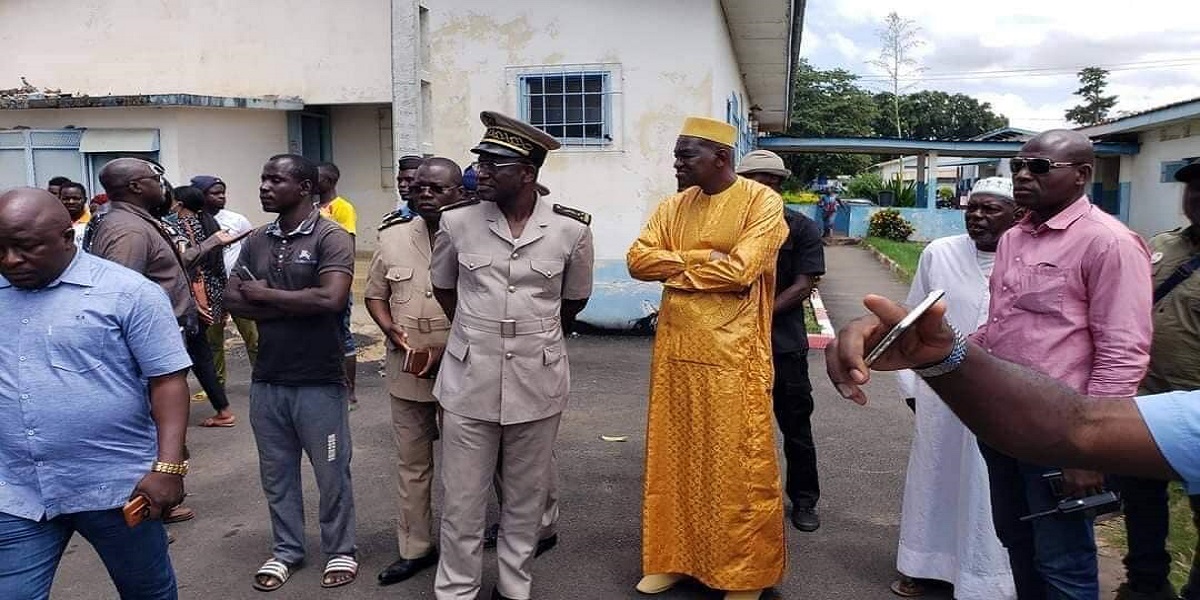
(505,361)
(1175,352)
(399,274)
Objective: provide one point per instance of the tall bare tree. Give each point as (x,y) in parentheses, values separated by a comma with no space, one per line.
(899,37)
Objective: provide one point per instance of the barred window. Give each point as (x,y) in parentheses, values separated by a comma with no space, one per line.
(572,103)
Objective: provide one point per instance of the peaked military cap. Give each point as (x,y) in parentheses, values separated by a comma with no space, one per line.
(506,136)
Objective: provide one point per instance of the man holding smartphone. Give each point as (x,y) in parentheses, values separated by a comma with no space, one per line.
(399,297)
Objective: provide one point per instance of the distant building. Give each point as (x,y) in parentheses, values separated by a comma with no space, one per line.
(217,87)
(1141,188)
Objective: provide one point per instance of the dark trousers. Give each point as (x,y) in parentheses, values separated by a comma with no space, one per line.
(195,339)
(1052,558)
(793,403)
(136,557)
(1147,523)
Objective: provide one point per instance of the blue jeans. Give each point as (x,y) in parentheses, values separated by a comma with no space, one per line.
(136,558)
(1052,558)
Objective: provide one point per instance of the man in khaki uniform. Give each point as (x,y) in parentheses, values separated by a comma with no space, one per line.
(511,271)
(400,299)
(1174,366)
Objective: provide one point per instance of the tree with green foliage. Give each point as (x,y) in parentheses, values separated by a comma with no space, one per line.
(828,104)
(1095,106)
(936,115)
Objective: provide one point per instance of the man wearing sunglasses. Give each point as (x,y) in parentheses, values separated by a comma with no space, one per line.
(1071,298)
(511,272)
(399,297)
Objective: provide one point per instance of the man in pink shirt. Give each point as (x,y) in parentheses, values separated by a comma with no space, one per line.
(1071,297)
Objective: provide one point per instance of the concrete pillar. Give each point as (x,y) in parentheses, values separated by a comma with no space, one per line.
(919,178)
(407,71)
(931,181)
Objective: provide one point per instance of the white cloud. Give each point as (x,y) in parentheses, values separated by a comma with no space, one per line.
(1022,57)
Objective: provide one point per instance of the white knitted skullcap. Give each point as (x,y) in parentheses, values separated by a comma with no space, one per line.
(1001,187)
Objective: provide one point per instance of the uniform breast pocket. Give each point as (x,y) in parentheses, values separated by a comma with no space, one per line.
(1043,288)
(547,277)
(77,347)
(472,270)
(400,283)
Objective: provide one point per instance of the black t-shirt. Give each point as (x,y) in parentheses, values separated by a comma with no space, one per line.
(302,350)
(802,253)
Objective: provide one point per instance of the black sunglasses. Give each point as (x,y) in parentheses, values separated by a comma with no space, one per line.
(1038,166)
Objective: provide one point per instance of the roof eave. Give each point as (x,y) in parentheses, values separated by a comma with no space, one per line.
(149,100)
(1146,120)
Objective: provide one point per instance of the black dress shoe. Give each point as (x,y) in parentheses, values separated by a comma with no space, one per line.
(545,545)
(406,567)
(496,595)
(490,535)
(805,519)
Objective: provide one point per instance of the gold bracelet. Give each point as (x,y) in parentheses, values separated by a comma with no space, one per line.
(180,469)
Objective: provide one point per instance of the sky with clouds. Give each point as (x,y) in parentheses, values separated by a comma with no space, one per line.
(1021,57)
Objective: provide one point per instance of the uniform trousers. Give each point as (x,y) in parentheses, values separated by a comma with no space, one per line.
(472,451)
(414,428)
(313,420)
(549,523)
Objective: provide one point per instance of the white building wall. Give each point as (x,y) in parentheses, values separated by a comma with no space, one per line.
(363,158)
(232,145)
(672,59)
(229,143)
(1156,206)
(323,52)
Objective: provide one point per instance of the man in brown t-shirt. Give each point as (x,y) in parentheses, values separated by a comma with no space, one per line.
(293,278)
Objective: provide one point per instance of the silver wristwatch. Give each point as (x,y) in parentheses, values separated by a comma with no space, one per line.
(951,363)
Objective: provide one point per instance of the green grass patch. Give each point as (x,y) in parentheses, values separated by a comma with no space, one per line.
(906,254)
(810,319)
(1181,538)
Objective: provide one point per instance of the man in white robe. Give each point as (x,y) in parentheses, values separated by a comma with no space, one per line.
(946,531)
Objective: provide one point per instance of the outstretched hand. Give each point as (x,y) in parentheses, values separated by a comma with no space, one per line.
(928,342)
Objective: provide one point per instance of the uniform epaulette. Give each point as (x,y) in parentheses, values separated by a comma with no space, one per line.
(394,218)
(459,204)
(573,213)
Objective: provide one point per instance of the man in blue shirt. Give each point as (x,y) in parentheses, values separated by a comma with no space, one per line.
(1020,412)
(93,406)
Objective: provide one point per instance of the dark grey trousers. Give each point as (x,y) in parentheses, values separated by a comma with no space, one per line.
(314,420)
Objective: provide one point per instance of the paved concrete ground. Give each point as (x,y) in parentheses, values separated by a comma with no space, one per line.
(862,453)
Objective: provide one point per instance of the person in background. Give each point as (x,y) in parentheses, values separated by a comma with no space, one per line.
(236,224)
(800,264)
(946,530)
(1070,296)
(133,235)
(1174,366)
(293,277)
(399,297)
(93,407)
(208,279)
(406,172)
(341,211)
(829,205)
(98,205)
(74,198)
(54,186)
(712,499)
